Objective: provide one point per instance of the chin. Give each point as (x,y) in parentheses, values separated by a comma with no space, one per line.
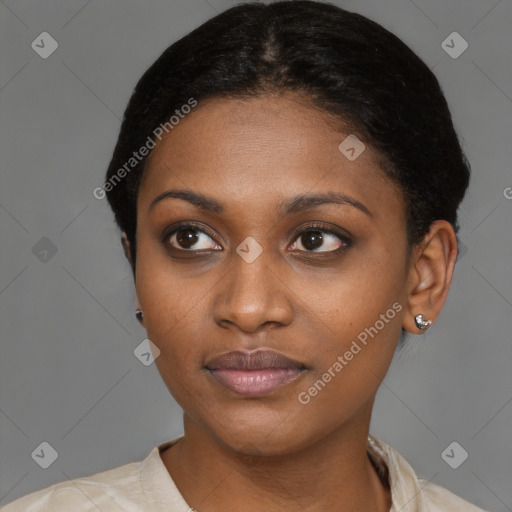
(261,433)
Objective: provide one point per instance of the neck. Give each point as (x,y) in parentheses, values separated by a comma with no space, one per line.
(333,473)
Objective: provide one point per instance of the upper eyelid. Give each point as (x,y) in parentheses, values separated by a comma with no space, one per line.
(320,226)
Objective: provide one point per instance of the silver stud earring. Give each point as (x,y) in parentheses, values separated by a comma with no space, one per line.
(139,315)
(422,324)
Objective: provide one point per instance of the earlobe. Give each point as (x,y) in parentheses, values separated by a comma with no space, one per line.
(431,274)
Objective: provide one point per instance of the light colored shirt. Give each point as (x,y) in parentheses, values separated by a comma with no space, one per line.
(147,486)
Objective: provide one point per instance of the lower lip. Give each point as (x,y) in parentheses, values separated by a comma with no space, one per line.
(254,383)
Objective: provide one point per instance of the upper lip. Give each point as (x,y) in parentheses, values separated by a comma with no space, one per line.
(255,360)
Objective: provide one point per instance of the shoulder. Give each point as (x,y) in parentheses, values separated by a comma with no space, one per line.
(116,489)
(408,491)
(440,499)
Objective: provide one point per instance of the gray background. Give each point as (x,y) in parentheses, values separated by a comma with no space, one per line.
(68,373)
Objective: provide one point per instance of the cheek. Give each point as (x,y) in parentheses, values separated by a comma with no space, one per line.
(349,361)
(170,303)
(344,303)
(354,322)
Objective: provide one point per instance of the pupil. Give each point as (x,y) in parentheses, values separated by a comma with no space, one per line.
(190,237)
(312,240)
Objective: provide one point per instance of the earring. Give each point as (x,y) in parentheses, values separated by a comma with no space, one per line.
(139,315)
(422,324)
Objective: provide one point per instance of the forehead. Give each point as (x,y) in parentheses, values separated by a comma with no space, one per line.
(260,149)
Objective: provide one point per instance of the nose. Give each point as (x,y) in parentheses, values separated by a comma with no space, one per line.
(252,296)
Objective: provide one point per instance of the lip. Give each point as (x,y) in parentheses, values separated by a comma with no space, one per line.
(256,373)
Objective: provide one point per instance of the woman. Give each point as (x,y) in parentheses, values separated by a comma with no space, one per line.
(286,180)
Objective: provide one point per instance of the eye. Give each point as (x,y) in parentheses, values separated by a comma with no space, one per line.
(190,238)
(318,238)
(315,238)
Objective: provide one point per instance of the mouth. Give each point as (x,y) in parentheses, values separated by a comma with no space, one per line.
(253,374)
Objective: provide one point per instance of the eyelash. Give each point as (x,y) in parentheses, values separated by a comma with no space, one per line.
(314,226)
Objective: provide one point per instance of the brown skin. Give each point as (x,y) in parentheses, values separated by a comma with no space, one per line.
(273,453)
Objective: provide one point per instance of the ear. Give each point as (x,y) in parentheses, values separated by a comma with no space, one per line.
(431,274)
(127,250)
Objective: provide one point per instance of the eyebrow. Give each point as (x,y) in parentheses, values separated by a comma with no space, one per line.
(293,205)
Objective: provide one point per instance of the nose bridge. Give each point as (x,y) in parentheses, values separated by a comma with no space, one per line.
(250,293)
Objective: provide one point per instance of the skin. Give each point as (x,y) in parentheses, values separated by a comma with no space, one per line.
(273,453)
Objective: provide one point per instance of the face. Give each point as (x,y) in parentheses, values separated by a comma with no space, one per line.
(260,265)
